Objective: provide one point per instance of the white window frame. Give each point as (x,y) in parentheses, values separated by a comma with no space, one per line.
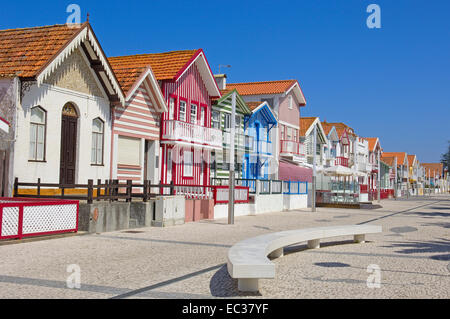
(216,121)
(188,164)
(182,115)
(194,114)
(97,143)
(35,142)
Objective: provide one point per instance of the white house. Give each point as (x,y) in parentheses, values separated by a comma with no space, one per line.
(60,106)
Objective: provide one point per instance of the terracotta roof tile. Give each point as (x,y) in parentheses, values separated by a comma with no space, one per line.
(258,88)
(253,105)
(24,52)
(305,124)
(340,128)
(372,142)
(433,167)
(411,159)
(165,66)
(389,160)
(400,156)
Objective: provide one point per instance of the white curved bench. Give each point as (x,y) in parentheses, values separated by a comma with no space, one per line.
(248,260)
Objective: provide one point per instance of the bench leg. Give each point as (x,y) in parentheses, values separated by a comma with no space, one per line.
(314,244)
(248,285)
(360,239)
(277,253)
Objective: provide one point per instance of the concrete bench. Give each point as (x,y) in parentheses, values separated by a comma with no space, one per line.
(249,261)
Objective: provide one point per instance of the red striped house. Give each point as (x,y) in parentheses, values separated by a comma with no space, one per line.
(186,136)
(136,125)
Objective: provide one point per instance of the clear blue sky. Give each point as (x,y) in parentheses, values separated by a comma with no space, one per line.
(393,82)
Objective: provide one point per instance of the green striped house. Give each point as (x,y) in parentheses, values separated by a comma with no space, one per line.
(221,119)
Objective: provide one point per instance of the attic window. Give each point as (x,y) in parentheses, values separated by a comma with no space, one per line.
(291,102)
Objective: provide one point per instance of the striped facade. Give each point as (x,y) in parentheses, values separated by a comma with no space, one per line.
(220,168)
(135,123)
(191,89)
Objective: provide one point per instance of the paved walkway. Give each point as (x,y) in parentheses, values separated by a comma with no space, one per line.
(188,261)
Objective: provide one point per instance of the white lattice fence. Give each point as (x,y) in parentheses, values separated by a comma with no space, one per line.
(20,219)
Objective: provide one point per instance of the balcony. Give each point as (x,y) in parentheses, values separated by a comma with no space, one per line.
(291,148)
(241,141)
(187,133)
(258,147)
(342,161)
(364,167)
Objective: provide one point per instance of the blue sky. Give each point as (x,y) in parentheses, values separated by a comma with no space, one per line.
(393,82)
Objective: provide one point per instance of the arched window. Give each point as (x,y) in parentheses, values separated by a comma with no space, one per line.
(38,128)
(97,142)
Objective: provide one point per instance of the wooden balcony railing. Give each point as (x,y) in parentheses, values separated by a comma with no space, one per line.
(178,131)
(342,161)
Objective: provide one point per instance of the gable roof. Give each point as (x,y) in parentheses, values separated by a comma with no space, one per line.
(34,53)
(373,141)
(401,156)
(168,66)
(307,125)
(411,159)
(430,168)
(240,103)
(23,52)
(341,128)
(269,87)
(389,160)
(265,110)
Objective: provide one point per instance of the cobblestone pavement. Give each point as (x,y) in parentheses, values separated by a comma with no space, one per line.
(413,254)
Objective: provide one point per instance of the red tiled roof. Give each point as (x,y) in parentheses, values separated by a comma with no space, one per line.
(390,160)
(411,159)
(24,52)
(305,124)
(400,156)
(372,142)
(430,168)
(327,127)
(253,105)
(165,66)
(341,128)
(258,88)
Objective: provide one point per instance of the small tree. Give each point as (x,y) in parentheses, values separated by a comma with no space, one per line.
(445,159)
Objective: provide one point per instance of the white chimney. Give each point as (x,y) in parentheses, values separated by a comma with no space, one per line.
(221,80)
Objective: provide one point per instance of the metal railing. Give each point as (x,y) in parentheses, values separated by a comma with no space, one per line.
(295,188)
(292,147)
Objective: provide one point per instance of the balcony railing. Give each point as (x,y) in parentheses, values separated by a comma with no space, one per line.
(342,161)
(177,131)
(240,140)
(364,167)
(292,148)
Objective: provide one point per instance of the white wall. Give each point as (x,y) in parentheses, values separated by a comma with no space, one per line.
(52,99)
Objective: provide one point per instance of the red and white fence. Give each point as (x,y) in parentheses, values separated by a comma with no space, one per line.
(21,218)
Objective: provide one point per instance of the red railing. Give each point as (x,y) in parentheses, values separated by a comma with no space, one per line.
(221,195)
(22,218)
(342,161)
(364,189)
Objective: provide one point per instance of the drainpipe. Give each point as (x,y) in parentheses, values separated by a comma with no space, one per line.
(314,171)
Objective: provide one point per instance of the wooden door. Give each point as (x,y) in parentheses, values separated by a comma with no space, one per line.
(68,146)
(4,175)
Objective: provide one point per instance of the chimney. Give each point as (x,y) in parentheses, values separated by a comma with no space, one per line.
(221,80)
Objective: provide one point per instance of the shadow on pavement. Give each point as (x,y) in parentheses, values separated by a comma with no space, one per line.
(222,285)
(417,247)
